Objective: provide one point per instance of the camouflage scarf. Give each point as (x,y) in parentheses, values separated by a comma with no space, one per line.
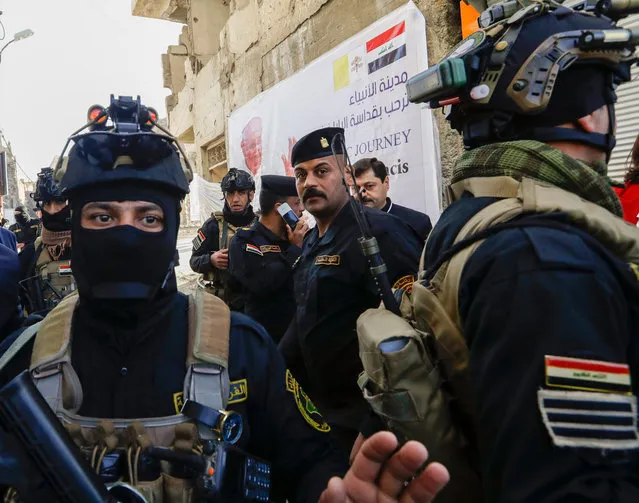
(532,159)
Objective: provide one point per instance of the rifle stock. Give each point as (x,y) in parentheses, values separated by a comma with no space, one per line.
(37,456)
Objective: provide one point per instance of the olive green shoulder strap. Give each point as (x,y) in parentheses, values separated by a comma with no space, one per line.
(51,358)
(207,378)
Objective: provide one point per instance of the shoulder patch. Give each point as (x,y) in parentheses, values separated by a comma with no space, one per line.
(254,249)
(65,269)
(307,409)
(327,260)
(405,283)
(270,249)
(199,239)
(589,420)
(238,391)
(178,401)
(587,375)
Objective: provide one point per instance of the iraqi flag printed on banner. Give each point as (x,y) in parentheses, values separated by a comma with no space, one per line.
(386,48)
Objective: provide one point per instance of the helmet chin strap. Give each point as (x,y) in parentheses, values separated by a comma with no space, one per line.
(600,141)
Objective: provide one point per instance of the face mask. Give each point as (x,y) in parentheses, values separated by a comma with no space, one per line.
(57,222)
(21,218)
(123,262)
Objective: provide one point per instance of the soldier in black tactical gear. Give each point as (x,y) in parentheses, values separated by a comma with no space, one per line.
(49,276)
(25,228)
(211,245)
(522,352)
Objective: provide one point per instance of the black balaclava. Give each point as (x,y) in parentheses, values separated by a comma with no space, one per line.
(125,276)
(57,222)
(21,216)
(240,218)
(124,262)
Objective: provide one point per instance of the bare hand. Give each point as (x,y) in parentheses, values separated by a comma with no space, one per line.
(20,246)
(296,237)
(288,166)
(220,259)
(359,441)
(378,475)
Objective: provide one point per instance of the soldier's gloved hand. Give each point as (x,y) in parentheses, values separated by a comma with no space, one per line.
(296,237)
(378,475)
(220,259)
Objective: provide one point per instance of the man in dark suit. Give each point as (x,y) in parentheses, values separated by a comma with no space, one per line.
(373,185)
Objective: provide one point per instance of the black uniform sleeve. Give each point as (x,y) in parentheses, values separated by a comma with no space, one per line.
(401,249)
(290,430)
(425,227)
(257,275)
(289,348)
(522,301)
(205,243)
(19,362)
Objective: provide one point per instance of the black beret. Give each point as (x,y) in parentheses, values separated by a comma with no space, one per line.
(280,185)
(316,145)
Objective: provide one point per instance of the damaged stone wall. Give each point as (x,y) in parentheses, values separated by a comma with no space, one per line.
(261,42)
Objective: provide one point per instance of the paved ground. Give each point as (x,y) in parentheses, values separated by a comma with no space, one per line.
(185,276)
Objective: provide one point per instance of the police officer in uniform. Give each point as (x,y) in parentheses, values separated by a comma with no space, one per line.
(128,335)
(50,277)
(333,285)
(25,228)
(261,258)
(211,245)
(542,285)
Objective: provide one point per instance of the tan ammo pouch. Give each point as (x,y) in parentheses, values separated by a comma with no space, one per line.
(55,272)
(206,382)
(420,384)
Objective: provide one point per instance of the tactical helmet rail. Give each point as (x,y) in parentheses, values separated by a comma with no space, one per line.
(120,145)
(46,189)
(534,65)
(237,179)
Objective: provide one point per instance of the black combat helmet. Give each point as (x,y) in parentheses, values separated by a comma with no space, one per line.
(533,66)
(237,179)
(46,189)
(121,146)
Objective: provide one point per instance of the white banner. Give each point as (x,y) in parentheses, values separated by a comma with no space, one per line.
(206,199)
(360,86)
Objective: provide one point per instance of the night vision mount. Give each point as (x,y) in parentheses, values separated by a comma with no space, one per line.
(470,73)
(124,133)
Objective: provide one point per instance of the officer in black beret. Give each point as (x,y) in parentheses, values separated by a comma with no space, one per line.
(261,258)
(333,285)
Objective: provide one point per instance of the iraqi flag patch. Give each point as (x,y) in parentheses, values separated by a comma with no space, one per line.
(254,249)
(587,375)
(65,269)
(199,239)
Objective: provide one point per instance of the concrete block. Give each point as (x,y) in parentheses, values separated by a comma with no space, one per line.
(206,20)
(242,29)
